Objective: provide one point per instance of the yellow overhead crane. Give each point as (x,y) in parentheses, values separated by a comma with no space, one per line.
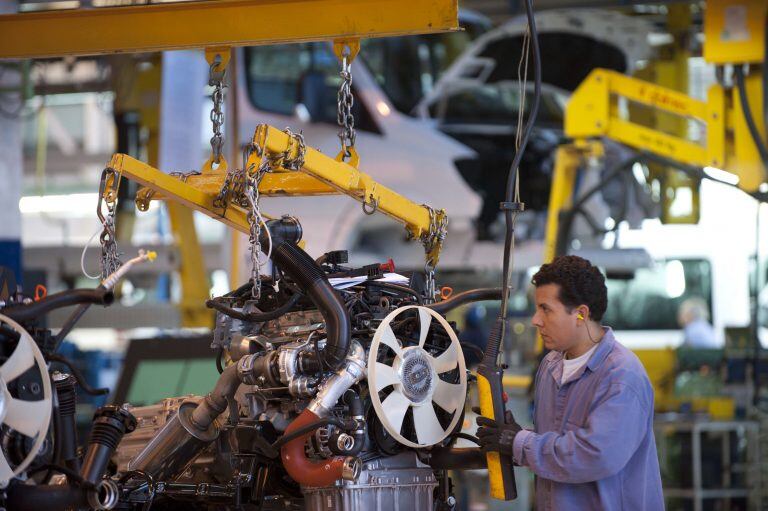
(218,26)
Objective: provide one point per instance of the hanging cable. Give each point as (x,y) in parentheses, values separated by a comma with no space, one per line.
(738,72)
(512,205)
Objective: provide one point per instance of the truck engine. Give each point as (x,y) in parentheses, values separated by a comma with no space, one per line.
(339,388)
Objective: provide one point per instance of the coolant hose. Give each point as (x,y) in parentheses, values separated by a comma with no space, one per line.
(34,310)
(303,270)
(309,472)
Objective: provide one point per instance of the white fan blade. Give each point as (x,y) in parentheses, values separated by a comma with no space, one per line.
(21,360)
(388,338)
(448,360)
(26,417)
(448,396)
(385,376)
(6,472)
(425,318)
(394,408)
(428,428)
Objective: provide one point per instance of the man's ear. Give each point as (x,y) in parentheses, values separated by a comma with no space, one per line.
(582,312)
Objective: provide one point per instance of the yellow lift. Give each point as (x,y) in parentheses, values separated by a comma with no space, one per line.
(218,26)
(595,112)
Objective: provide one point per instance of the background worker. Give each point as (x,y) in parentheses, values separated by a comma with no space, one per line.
(592,446)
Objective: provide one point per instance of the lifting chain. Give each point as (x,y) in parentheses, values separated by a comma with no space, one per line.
(255,221)
(217,72)
(345,102)
(433,241)
(233,189)
(108,187)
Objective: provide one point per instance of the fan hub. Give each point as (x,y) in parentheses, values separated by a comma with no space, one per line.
(416,374)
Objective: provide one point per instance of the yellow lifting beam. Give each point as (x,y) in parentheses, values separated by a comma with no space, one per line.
(320,174)
(173,26)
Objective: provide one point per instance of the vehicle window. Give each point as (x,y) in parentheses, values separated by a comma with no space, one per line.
(279,76)
(497,103)
(406,68)
(651,298)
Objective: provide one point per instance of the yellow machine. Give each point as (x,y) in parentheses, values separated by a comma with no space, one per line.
(731,117)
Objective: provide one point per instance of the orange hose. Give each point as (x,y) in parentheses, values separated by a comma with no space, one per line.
(303,470)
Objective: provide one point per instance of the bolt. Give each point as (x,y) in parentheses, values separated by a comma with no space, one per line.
(451,501)
(34,387)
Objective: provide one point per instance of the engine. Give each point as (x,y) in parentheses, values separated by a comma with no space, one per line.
(340,388)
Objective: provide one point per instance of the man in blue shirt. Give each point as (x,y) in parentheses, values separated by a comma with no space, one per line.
(592,446)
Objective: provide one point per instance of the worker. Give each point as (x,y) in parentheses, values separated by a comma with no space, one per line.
(592,446)
(693,317)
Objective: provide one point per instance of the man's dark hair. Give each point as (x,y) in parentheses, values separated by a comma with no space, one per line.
(579,281)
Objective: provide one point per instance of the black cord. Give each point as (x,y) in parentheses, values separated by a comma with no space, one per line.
(254,317)
(738,72)
(219,355)
(512,179)
(466,436)
(78,375)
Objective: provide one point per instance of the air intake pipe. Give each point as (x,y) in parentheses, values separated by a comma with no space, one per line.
(303,270)
(323,473)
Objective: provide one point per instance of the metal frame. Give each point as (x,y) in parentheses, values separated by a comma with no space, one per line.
(173,26)
(753,492)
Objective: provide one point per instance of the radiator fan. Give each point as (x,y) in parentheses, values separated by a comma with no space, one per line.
(407,377)
(29,418)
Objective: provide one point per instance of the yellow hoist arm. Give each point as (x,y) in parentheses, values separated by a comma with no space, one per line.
(319,174)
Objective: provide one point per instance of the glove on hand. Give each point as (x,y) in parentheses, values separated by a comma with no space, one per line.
(494,437)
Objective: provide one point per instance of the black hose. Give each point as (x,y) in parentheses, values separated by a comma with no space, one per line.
(34,310)
(78,375)
(254,317)
(473,295)
(69,324)
(311,279)
(71,474)
(510,209)
(738,72)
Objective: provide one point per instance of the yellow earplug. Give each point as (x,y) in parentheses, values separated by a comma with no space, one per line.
(580,316)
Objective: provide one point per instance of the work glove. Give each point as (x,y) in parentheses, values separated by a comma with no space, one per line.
(494,437)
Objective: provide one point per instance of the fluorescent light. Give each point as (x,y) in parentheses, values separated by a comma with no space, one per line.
(721,175)
(72,203)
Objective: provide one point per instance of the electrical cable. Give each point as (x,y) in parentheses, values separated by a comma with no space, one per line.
(738,72)
(512,198)
(78,375)
(82,255)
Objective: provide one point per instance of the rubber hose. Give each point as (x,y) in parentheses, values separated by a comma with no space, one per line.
(34,310)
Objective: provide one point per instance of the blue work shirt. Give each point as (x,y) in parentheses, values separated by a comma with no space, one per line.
(592,446)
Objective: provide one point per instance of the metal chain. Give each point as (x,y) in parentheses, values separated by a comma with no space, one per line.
(216,80)
(345,102)
(110,258)
(438,230)
(297,140)
(254,222)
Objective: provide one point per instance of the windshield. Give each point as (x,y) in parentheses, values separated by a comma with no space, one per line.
(651,298)
(407,68)
(497,103)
